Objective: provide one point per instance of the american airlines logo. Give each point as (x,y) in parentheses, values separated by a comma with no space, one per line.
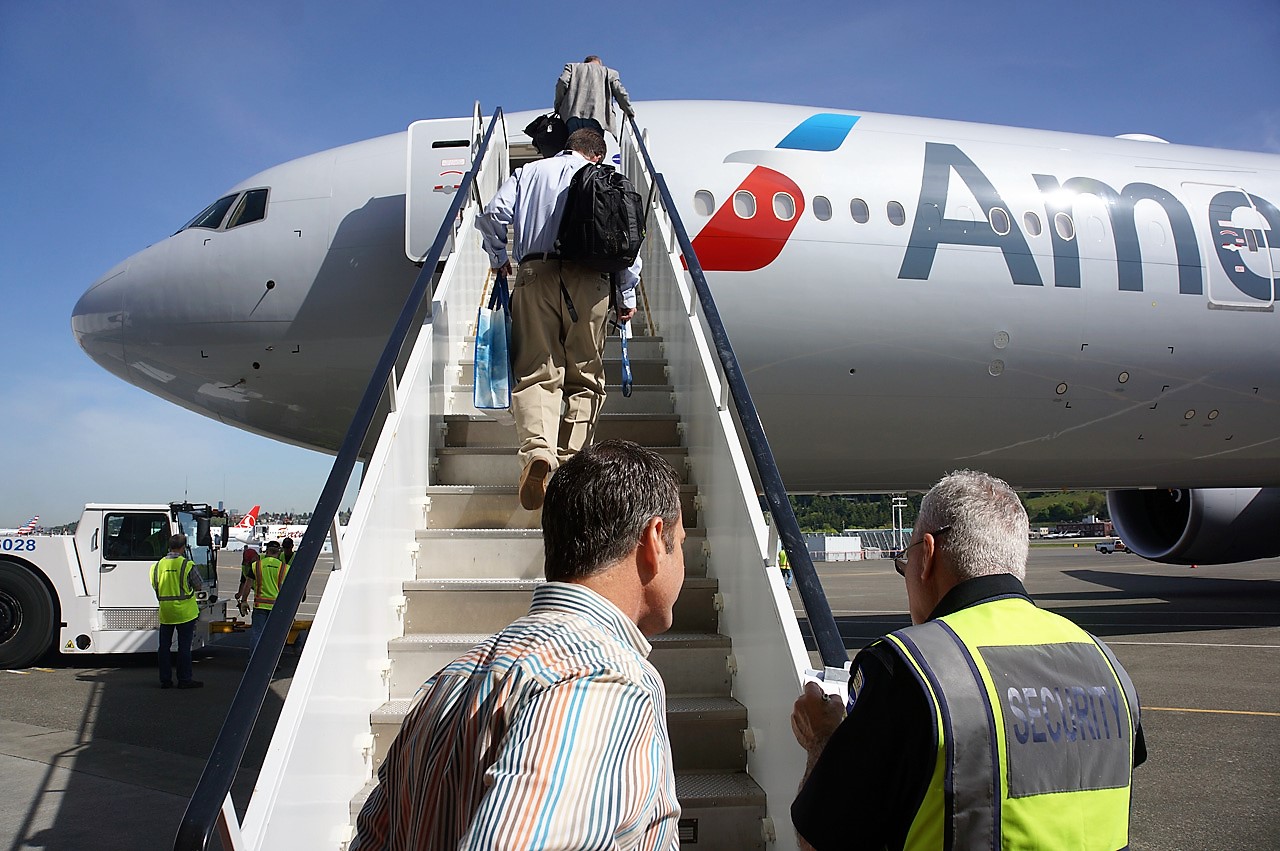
(750,228)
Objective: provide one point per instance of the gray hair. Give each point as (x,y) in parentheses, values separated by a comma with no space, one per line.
(988,531)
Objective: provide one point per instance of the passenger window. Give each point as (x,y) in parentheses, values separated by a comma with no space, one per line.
(1065,226)
(999,219)
(821,208)
(784,206)
(704,203)
(212,215)
(860,211)
(897,215)
(1031,222)
(744,204)
(252,208)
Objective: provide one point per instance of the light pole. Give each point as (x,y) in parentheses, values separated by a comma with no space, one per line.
(899,503)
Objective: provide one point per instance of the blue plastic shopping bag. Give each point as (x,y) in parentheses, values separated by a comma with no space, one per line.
(493,349)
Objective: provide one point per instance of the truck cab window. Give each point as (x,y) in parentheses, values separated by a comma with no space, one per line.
(136,537)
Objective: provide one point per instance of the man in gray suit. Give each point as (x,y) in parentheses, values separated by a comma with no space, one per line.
(584,96)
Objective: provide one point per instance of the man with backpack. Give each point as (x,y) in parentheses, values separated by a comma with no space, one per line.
(559,308)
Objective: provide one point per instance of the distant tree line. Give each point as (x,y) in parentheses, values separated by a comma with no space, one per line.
(830,514)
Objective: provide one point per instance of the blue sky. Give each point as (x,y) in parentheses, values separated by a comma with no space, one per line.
(119,121)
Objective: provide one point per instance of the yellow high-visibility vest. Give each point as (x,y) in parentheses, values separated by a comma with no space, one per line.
(170,579)
(1035,724)
(267,580)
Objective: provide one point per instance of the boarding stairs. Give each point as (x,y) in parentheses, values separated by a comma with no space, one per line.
(439,554)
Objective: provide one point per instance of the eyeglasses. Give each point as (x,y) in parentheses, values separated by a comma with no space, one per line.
(900,563)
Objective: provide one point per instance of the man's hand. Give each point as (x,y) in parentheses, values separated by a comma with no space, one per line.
(815,716)
(504,269)
(625,314)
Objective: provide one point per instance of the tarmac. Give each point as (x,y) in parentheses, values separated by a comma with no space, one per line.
(94,755)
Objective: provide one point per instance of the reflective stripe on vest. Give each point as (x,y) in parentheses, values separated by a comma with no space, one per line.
(185,591)
(1034,735)
(972,781)
(170,575)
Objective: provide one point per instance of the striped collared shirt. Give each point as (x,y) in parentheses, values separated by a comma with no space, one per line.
(550,734)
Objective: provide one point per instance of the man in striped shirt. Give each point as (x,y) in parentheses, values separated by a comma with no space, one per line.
(552,734)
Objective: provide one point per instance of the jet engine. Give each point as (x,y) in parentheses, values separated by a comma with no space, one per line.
(1198,526)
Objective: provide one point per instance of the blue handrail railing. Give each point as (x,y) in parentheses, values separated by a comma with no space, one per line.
(825,632)
(201,817)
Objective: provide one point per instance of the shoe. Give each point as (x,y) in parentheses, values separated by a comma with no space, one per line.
(191,684)
(533,483)
(166,685)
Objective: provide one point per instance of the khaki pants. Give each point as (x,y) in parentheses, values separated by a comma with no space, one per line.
(558,363)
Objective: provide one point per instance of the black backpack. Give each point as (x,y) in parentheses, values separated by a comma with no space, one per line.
(603,222)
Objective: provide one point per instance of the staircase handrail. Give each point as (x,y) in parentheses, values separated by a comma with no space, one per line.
(823,624)
(208,802)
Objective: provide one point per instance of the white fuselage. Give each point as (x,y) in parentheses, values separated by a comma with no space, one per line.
(1057,309)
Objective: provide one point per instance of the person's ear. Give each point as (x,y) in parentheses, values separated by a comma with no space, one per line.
(650,549)
(928,557)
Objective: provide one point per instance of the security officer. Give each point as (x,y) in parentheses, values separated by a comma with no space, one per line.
(269,573)
(175,581)
(989,723)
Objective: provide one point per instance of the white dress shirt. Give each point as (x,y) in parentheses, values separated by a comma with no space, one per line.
(533,198)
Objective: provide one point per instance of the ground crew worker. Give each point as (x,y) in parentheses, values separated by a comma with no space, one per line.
(989,723)
(175,581)
(286,552)
(248,564)
(269,573)
(784,564)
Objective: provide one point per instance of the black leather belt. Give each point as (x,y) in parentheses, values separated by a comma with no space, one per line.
(540,255)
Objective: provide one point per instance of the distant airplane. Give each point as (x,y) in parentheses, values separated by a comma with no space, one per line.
(245,531)
(906,296)
(26,529)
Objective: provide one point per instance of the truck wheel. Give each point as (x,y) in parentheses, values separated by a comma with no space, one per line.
(26,617)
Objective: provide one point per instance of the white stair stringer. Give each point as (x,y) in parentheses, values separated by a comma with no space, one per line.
(438,555)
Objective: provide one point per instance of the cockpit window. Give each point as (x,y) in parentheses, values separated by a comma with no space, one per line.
(212,215)
(252,208)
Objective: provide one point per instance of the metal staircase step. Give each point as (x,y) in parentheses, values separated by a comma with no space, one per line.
(692,664)
(706,732)
(509,553)
(643,370)
(498,465)
(498,507)
(645,429)
(645,399)
(720,810)
(488,605)
(639,346)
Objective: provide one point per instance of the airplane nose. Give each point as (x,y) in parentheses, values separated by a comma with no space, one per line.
(98,319)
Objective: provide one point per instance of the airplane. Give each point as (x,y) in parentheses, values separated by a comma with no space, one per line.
(27,528)
(245,531)
(906,295)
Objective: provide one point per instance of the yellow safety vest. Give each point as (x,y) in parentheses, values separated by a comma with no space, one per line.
(1035,724)
(267,580)
(170,579)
